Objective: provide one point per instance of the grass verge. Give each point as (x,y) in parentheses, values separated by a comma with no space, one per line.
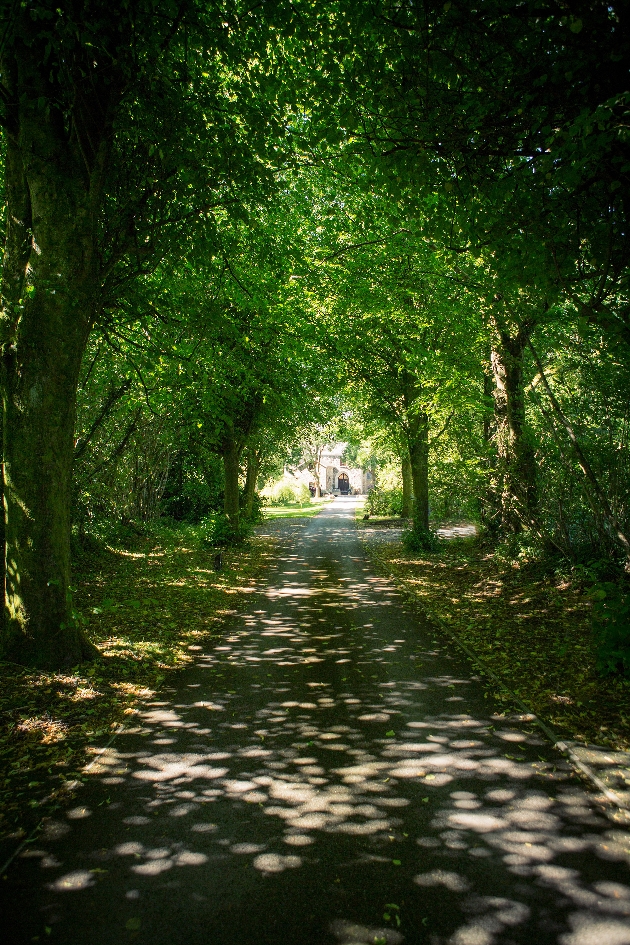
(532,629)
(295,510)
(148,607)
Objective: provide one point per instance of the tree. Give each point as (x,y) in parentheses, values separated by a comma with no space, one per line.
(393,310)
(121,133)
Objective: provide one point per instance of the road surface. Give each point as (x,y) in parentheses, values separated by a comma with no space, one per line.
(330,773)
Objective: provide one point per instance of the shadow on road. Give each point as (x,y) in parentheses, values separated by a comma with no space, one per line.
(329,773)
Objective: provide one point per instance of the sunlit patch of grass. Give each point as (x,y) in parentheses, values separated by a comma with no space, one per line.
(533,631)
(144,608)
(295,510)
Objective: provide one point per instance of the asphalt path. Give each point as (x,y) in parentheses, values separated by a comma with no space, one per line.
(331,772)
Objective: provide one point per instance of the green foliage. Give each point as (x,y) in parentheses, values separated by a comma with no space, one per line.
(384,502)
(590,379)
(223,533)
(255,517)
(611,627)
(420,540)
(522,548)
(456,484)
(194,487)
(260,304)
(285,495)
(213,531)
(303,494)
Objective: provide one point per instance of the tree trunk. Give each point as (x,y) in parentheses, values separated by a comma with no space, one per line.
(39,413)
(416,431)
(517,464)
(418,439)
(318,485)
(17,250)
(231,465)
(41,363)
(489,501)
(253,465)
(407,487)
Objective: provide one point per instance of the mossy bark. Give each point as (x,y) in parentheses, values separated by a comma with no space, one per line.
(231,455)
(517,464)
(490,503)
(419,460)
(407,487)
(251,477)
(416,428)
(39,412)
(17,249)
(49,297)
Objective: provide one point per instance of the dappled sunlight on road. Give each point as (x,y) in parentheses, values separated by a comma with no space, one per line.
(331,773)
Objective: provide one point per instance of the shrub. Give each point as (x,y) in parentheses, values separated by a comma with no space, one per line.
(217,531)
(285,495)
(611,628)
(256,516)
(303,494)
(192,493)
(523,548)
(385,502)
(419,539)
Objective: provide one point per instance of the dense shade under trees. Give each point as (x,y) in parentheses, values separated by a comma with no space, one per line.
(226,227)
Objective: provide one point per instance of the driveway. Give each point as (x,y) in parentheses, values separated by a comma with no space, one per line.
(332,772)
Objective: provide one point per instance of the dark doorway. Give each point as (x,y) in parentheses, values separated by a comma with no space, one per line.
(344,483)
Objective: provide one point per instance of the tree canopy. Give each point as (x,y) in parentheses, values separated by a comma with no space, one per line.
(226,226)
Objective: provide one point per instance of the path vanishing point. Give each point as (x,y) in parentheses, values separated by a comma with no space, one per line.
(330,772)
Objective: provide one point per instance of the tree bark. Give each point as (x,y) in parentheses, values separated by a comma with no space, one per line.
(517,464)
(43,340)
(416,430)
(407,487)
(315,470)
(231,455)
(17,250)
(253,466)
(489,501)
(56,162)
(39,414)
(41,372)
(418,439)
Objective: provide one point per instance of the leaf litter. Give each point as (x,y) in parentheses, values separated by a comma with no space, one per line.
(532,628)
(148,610)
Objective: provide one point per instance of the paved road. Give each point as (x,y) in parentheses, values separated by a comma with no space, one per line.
(329,774)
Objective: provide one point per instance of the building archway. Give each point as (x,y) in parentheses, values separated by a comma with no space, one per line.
(343,483)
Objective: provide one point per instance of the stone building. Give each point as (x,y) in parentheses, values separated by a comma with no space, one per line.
(335,477)
(338,479)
